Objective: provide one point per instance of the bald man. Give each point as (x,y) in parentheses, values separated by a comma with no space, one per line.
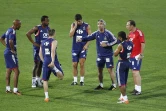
(8,39)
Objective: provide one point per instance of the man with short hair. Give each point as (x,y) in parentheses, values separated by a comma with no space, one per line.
(41,33)
(48,55)
(123,50)
(10,54)
(137,37)
(104,42)
(79,29)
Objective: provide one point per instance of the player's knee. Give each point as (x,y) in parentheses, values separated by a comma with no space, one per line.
(82,64)
(74,65)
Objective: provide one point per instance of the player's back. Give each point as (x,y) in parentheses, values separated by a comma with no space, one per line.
(127,47)
(10,35)
(46,50)
(41,34)
(81,31)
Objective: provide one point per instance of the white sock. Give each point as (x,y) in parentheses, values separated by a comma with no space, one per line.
(37,78)
(7,88)
(56,70)
(82,79)
(33,79)
(15,90)
(101,84)
(121,96)
(46,94)
(125,98)
(75,78)
(139,88)
(114,85)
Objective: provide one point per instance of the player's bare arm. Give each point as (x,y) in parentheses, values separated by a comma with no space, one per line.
(40,54)
(2,40)
(12,46)
(29,33)
(118,49)
(53,48)
(142,51)
(73,28)
(87,44)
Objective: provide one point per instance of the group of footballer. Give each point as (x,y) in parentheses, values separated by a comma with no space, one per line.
(130,51)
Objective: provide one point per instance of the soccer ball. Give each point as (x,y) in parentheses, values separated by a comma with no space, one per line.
(39,83)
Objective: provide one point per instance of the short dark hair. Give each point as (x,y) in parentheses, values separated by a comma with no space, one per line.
(51,32)
(43,18)
(122,34)
(132,22)
(78,17)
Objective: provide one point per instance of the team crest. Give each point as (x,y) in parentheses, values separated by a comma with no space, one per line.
(84,28)
(105,38)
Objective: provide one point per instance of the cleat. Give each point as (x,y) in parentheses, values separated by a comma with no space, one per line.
(98,87)
(124,102)
(39,83)
(46,99)
(34,85)
(112,88)
(17,93)
(74,83)
(120,99)
(136,93)
(81,83)
(8,91)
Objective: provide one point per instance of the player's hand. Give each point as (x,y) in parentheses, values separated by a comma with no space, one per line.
(35,44)
(102,44)
(14,52)
(75,24)
(85,47)
(140,57)
(51,65)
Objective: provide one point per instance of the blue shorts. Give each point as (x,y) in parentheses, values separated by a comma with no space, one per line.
(122,70)
(47,71)
(36,55)
(108,60)
(76,55)
(135,64)
(11,61)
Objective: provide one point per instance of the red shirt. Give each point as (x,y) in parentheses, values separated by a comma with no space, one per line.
(137,38)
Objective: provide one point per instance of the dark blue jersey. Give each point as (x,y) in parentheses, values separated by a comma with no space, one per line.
(41,34)
(46,50)
(10,35)
(81,31)
(127,47)
(106,36)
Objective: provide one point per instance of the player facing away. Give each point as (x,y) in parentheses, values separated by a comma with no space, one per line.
(10,54)
(137,37)
(41,33)
(48,55)
(79,29)
(122,68)
(104,42)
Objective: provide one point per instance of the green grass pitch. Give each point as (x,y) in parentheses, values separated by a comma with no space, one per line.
(150,18)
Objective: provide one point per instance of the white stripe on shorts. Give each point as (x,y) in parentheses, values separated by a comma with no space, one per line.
(118,75)
(14,59)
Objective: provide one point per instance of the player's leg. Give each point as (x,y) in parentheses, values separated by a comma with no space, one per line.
(45,77)
(136,65)
(57,70)
(8,75)
(39,69)
(110,65)
(75,59)
(121,80)
(100,64)
(82,60)
(16,77)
